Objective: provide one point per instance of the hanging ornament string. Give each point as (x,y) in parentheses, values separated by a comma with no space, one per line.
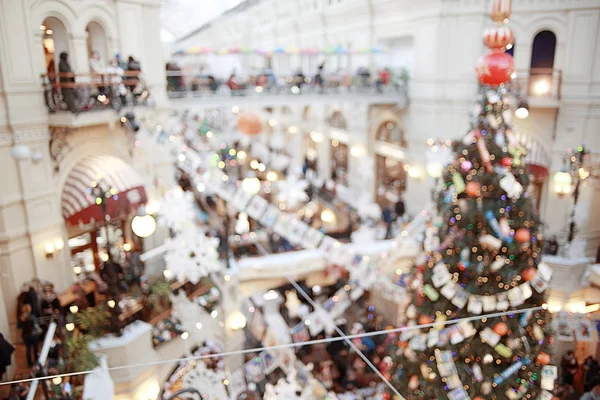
(286,346)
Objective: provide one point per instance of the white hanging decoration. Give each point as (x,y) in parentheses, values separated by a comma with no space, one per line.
(288,388)
(367,208)
(191,255)
(509,184)
(364,234)
(242,224)
(292,191)
(292,303)
(184,310)
(176,209)
(208,382)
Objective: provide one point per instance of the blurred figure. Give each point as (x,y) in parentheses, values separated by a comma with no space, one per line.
(319,79)
(133,77)
(593,394)
(30,332)
(569,367)
(67,77)
(97,65)
(591,370)
(383,80)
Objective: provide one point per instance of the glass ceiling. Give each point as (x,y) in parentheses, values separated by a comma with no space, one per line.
(180,17)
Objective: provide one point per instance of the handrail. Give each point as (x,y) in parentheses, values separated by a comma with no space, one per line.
(540,83)
(91,91)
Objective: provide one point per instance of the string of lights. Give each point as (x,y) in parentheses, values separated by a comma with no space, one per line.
(288,345)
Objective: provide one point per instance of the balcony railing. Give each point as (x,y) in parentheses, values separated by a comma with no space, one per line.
(538,83)
(188,85)
(87,92)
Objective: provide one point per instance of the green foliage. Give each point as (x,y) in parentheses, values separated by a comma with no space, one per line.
(94,320)
(159,296)
(464,217)
(79,356)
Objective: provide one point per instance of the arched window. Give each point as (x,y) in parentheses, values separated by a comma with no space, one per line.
(56,41)
(543,50)
(391,132)
(541,72)
(337,120)
(96,40)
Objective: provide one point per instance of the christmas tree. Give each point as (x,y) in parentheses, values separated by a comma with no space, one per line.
(487,262)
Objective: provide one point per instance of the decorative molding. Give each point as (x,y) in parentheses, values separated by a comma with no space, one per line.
(59,144)
(31,135)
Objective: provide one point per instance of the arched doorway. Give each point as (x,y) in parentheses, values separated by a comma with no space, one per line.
(55,41)
(96,40)
(390,172)
(541,70)
(337,120)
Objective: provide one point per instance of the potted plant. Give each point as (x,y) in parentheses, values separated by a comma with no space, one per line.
(94,320)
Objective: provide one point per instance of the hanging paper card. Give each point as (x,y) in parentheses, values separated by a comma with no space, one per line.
(449,290)
(460,300)
(270,216)
(489,303)
(489,336)
(515,297)
(549,375)
(240,199)
(440,279)
(311,238)
(446,369)
(459,183)
(297,231)
(268,362)
(539,283)
(257,207)
(453,382)
(228,190)
(300,333)
(283,225)
(501,302)
(526,290)
(418,343)
(466,328)
(433,338)
(455,336)
(583,330)
(254,371)
(475,306)
(458,394)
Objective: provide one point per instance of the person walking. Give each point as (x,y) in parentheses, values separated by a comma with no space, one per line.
(30,331)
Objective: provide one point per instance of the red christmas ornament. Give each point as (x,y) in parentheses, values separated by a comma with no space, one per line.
(424,319)
(506,161)
(473,189)
(501,328)
(497,37)
(543,358)
(249,124)
(528,274)
(495,68)
(522,235)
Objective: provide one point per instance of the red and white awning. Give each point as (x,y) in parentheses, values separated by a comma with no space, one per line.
(78,203)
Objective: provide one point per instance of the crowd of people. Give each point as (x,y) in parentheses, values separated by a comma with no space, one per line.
(579,381)
(266,80)
(114,84)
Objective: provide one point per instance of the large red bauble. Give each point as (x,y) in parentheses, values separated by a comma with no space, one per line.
(522,235)
(501,328)
(506,161)
(249,124)
(528,274)
(543,358)
(424,319)
(473,189)
(495,68)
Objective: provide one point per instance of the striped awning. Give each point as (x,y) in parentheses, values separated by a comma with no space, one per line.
(112,175)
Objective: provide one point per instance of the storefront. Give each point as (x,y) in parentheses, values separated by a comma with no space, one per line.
(100,197)
(390,169)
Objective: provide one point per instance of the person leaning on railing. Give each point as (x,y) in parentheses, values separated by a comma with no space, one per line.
(67,83)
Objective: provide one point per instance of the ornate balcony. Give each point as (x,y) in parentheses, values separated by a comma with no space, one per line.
(265,90)
(70,97)
(541,87)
